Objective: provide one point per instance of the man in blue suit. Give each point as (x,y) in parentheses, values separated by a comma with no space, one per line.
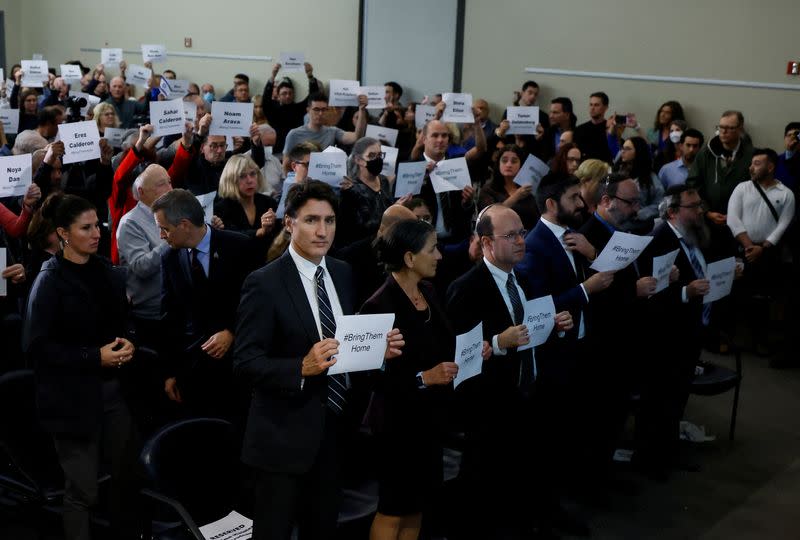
(556,263)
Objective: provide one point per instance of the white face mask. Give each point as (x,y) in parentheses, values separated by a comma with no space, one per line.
(675,136)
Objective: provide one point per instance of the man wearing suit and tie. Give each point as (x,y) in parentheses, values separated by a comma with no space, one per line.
(613,367)
(202,277)
(497,406)
(680,310)
(284,347)
(556,263)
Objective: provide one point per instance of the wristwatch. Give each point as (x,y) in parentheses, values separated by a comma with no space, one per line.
(420,382)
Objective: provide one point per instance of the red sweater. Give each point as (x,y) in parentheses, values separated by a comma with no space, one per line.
(14,225)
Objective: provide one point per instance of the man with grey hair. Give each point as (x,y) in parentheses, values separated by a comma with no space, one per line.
(141,249)
(273,168)
(202,277)
(126,109)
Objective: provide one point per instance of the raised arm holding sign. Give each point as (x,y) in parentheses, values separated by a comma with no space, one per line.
(154,53)
(293,61)
(423,114)
(458,108)
(138,75)
(344,93)
(167,117)
(110,57)
(522,120)
(81,141)
(376,96)
(232,119)
(34,73)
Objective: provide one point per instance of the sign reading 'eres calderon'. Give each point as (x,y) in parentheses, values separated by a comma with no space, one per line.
(81,141)
(231,119)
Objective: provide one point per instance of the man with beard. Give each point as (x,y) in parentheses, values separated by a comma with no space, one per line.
(612,369)
(679,310)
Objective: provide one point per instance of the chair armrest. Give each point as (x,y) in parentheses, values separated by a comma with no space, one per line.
(179,509)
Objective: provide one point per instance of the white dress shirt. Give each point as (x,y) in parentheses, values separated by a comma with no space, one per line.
(559,232)
(688,250)
(308,270)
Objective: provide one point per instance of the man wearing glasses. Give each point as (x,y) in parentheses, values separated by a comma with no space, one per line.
(325,136)
(616,313)
(499,425)
(722,164)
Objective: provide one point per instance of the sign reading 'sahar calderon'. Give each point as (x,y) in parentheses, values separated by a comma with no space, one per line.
(231,119)
(81,141)
(167,117)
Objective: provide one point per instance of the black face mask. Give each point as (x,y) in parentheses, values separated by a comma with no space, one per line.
(375,166)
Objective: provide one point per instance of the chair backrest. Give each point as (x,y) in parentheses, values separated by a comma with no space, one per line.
(28,445)
(196,462)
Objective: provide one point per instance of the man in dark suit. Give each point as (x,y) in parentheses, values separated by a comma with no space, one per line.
(202,277)
(498,423)
(284,348)
(678,310)
(613,371)
(556,263)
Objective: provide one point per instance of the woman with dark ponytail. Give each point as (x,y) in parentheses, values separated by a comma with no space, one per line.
(73,335)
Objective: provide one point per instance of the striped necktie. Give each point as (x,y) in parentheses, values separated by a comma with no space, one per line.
(700,274)
(337,384)
(527,371)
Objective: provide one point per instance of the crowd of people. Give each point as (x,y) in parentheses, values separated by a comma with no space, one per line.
(192,276)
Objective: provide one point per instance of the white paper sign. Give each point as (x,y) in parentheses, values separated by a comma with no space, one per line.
(531,172)
(234,526)
(207,202)
(362,342)
(409,178)
(114,136)
(344,93)
(424,114)
(621,250)
(376,96)
(10,119)
(174,88)
(71,73)
(110,57)
(287,185)
(540,318)
(91,101)
(2,76)
(167,117)
(293,61)
(522,120)
(34,73)
(328,167)
(138,75)
(458,109)
(233,119)
(387,136)
(81,141)
(469,357)
(3,263)
(662,266)
(15,175)
(190,111)
(154,53)
(389,160)
(720,276)
(450,175)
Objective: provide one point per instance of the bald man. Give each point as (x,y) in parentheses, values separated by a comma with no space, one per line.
(140,249)
(126,109)
(367,272)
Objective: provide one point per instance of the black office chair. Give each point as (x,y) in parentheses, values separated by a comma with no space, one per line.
(31,474)
(192,468)
(718,379)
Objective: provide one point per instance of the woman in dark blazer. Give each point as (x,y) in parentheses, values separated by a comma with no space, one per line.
(240,204)
(417,383)
(75,320)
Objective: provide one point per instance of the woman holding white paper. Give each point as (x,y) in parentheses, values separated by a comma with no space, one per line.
(417,384)
(502,189)
(106,117)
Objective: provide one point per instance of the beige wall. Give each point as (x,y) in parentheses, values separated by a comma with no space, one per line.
(327,32)
(722,39)
(716,39)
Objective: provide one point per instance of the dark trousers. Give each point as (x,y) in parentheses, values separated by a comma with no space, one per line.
(310,500)
(80,457)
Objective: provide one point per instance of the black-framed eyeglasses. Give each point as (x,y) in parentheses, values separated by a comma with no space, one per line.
(373,155)
(727,128)
(303,163)
(635,202)
(513,235)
